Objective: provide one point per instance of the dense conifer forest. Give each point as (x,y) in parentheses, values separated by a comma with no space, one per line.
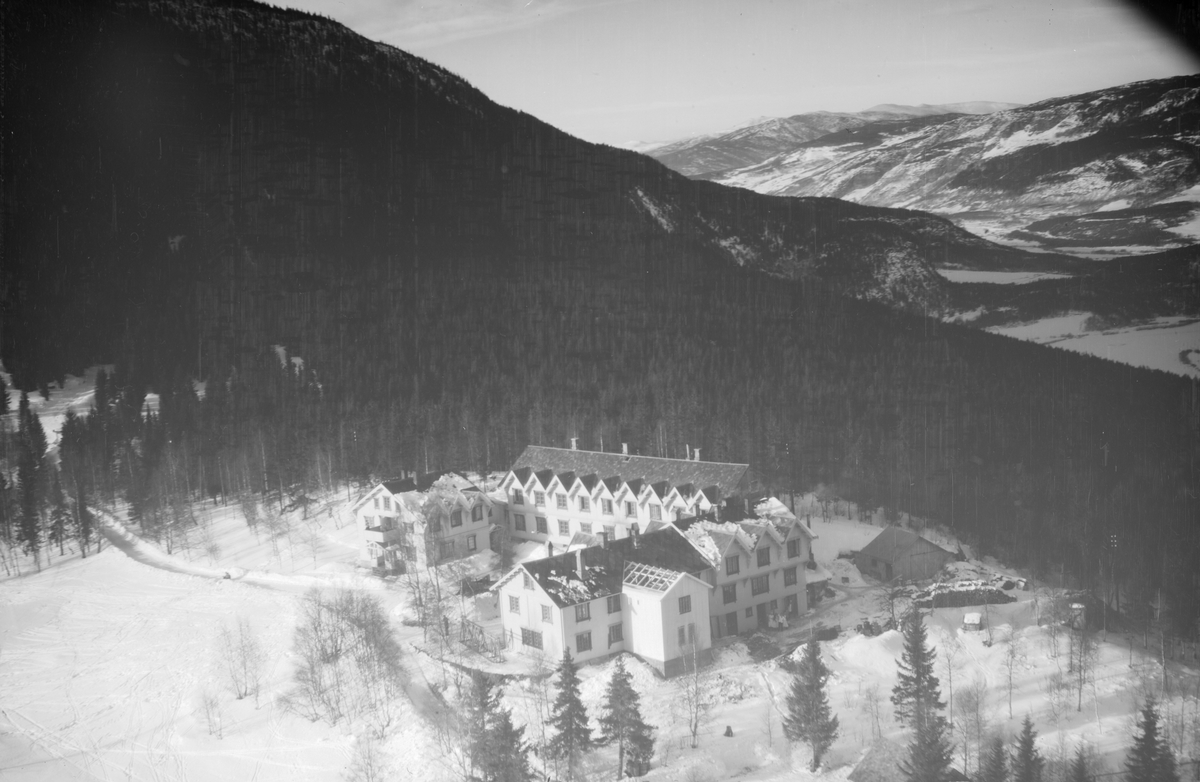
(194,183)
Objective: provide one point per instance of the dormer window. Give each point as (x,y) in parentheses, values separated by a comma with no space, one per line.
(539,499)
(518,498)
(606,507)
(764,557)
(477,513)
(585,504)
(387,503)
(456,518)
(561,501)
(655,512)
(631,509)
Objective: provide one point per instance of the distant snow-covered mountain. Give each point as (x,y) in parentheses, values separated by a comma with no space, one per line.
(763,138)
(1113,168)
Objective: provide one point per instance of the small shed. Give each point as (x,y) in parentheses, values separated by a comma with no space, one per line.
(973,621)
(897,553)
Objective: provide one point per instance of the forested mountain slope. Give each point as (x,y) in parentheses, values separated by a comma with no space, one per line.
(189,183)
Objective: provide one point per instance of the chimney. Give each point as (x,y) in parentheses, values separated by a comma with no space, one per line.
(625,448)
(574,443)
(697,454)
(579,562)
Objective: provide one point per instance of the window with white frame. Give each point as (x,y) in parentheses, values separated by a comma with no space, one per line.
(470,542)
(614,604)
(789,576)
(585,527)
(564,527)
(387,503)
(541,525)
(477,513)
(729,593)
(585,504)
(687,634)
(539,499)
(456,518)
(583,612)
(606,507)
(583,641)
(514,604)
(560,501)
(759,585)
(685,604)
(615,634)
(527,581)
(631,509)
(518,498)
(655,512)
(764,557)
(547,617)
(732,565)
(610,531)
(793,548)
(519,521)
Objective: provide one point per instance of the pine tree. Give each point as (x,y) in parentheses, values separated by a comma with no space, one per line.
(60,517)
(32,448)
(809,718)
(1027,764)
(930,752)
(995,764)
(621,724)
(1079,770)
(510,759)
(569,718)
(916,695)
(1150,758)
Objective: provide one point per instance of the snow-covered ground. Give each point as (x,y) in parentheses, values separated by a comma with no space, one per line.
(1170,344)
(998,278)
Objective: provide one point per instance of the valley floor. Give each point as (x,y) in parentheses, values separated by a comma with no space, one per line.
(105,663)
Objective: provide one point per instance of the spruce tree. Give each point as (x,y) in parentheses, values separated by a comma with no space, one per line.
(1150,758)
(31,450)
(1079,770)
(995,763)
(495,748)
(1027,763)
(930,752)
(621,724)
(916,695)
(570,719)
(60,517)
(809,718)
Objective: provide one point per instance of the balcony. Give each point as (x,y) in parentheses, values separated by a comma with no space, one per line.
(384,536)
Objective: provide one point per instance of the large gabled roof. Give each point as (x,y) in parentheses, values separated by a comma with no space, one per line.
(665,550)
(729,478)
(894,543)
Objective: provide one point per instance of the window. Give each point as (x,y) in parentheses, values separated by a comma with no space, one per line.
(631,508)
(610,531)
(470,542)
(583,641)
(514,604)
(387,503)
(687,634)
(539,499)
(520,521)
(456,518)
(615,634)
(564,527)
(789,576)
(793,548)
(368,522)
(731,623)
(585,505)
(583,612)
(517,497)
(732,565)
(560,500)
(547,617)
(774,605)
(656,513)
(759,585)
(585,527)
(528,581)
(685,604)
(376,503)
(541,525)
(764,557)
(445,548)
(606,507)
(729,593)
(614,604)
(749,613)
(477,513)
(531,638)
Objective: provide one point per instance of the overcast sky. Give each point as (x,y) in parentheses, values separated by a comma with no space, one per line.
(621,71)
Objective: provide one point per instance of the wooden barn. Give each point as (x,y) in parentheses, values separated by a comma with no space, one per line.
(897,553)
